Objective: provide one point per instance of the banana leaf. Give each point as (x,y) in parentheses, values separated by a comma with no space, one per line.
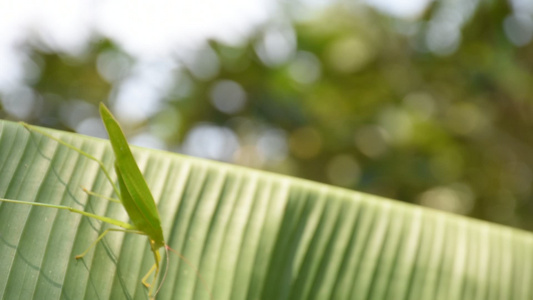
(245,234)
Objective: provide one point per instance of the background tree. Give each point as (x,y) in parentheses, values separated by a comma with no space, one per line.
(434,110)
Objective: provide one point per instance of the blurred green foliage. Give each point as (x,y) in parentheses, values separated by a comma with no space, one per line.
(360,101)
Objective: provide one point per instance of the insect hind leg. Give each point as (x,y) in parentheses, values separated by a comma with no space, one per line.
(91,193)
(87,155)
(145,278)
(101,237)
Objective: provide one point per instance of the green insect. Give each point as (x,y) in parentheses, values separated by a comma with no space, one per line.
(133,192)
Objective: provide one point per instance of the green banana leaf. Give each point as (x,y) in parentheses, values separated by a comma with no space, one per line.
(248,234)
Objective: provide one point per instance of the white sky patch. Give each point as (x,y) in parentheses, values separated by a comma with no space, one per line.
(158,34)
(162,27)
(154,33)
(12,71)
(400,8)
(146,87)
(64,25)
(212,142)
(146,30)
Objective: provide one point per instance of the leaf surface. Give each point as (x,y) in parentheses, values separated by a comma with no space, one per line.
(251,234)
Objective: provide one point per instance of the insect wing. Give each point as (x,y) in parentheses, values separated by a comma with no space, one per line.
(135,193)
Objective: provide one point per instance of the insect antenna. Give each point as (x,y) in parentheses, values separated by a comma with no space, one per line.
(191,265)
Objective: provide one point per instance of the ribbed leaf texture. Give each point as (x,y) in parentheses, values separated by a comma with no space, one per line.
(251,235)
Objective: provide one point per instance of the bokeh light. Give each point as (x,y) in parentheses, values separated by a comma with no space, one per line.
(424,101)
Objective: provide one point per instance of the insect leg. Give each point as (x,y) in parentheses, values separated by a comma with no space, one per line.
(91,193)
(100,163)
(145,278)
(102,236)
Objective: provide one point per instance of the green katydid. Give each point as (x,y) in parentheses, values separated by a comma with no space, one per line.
(132,191)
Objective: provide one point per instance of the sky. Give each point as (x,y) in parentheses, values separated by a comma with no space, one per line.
(144,29)
(160,34)
(154,33)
